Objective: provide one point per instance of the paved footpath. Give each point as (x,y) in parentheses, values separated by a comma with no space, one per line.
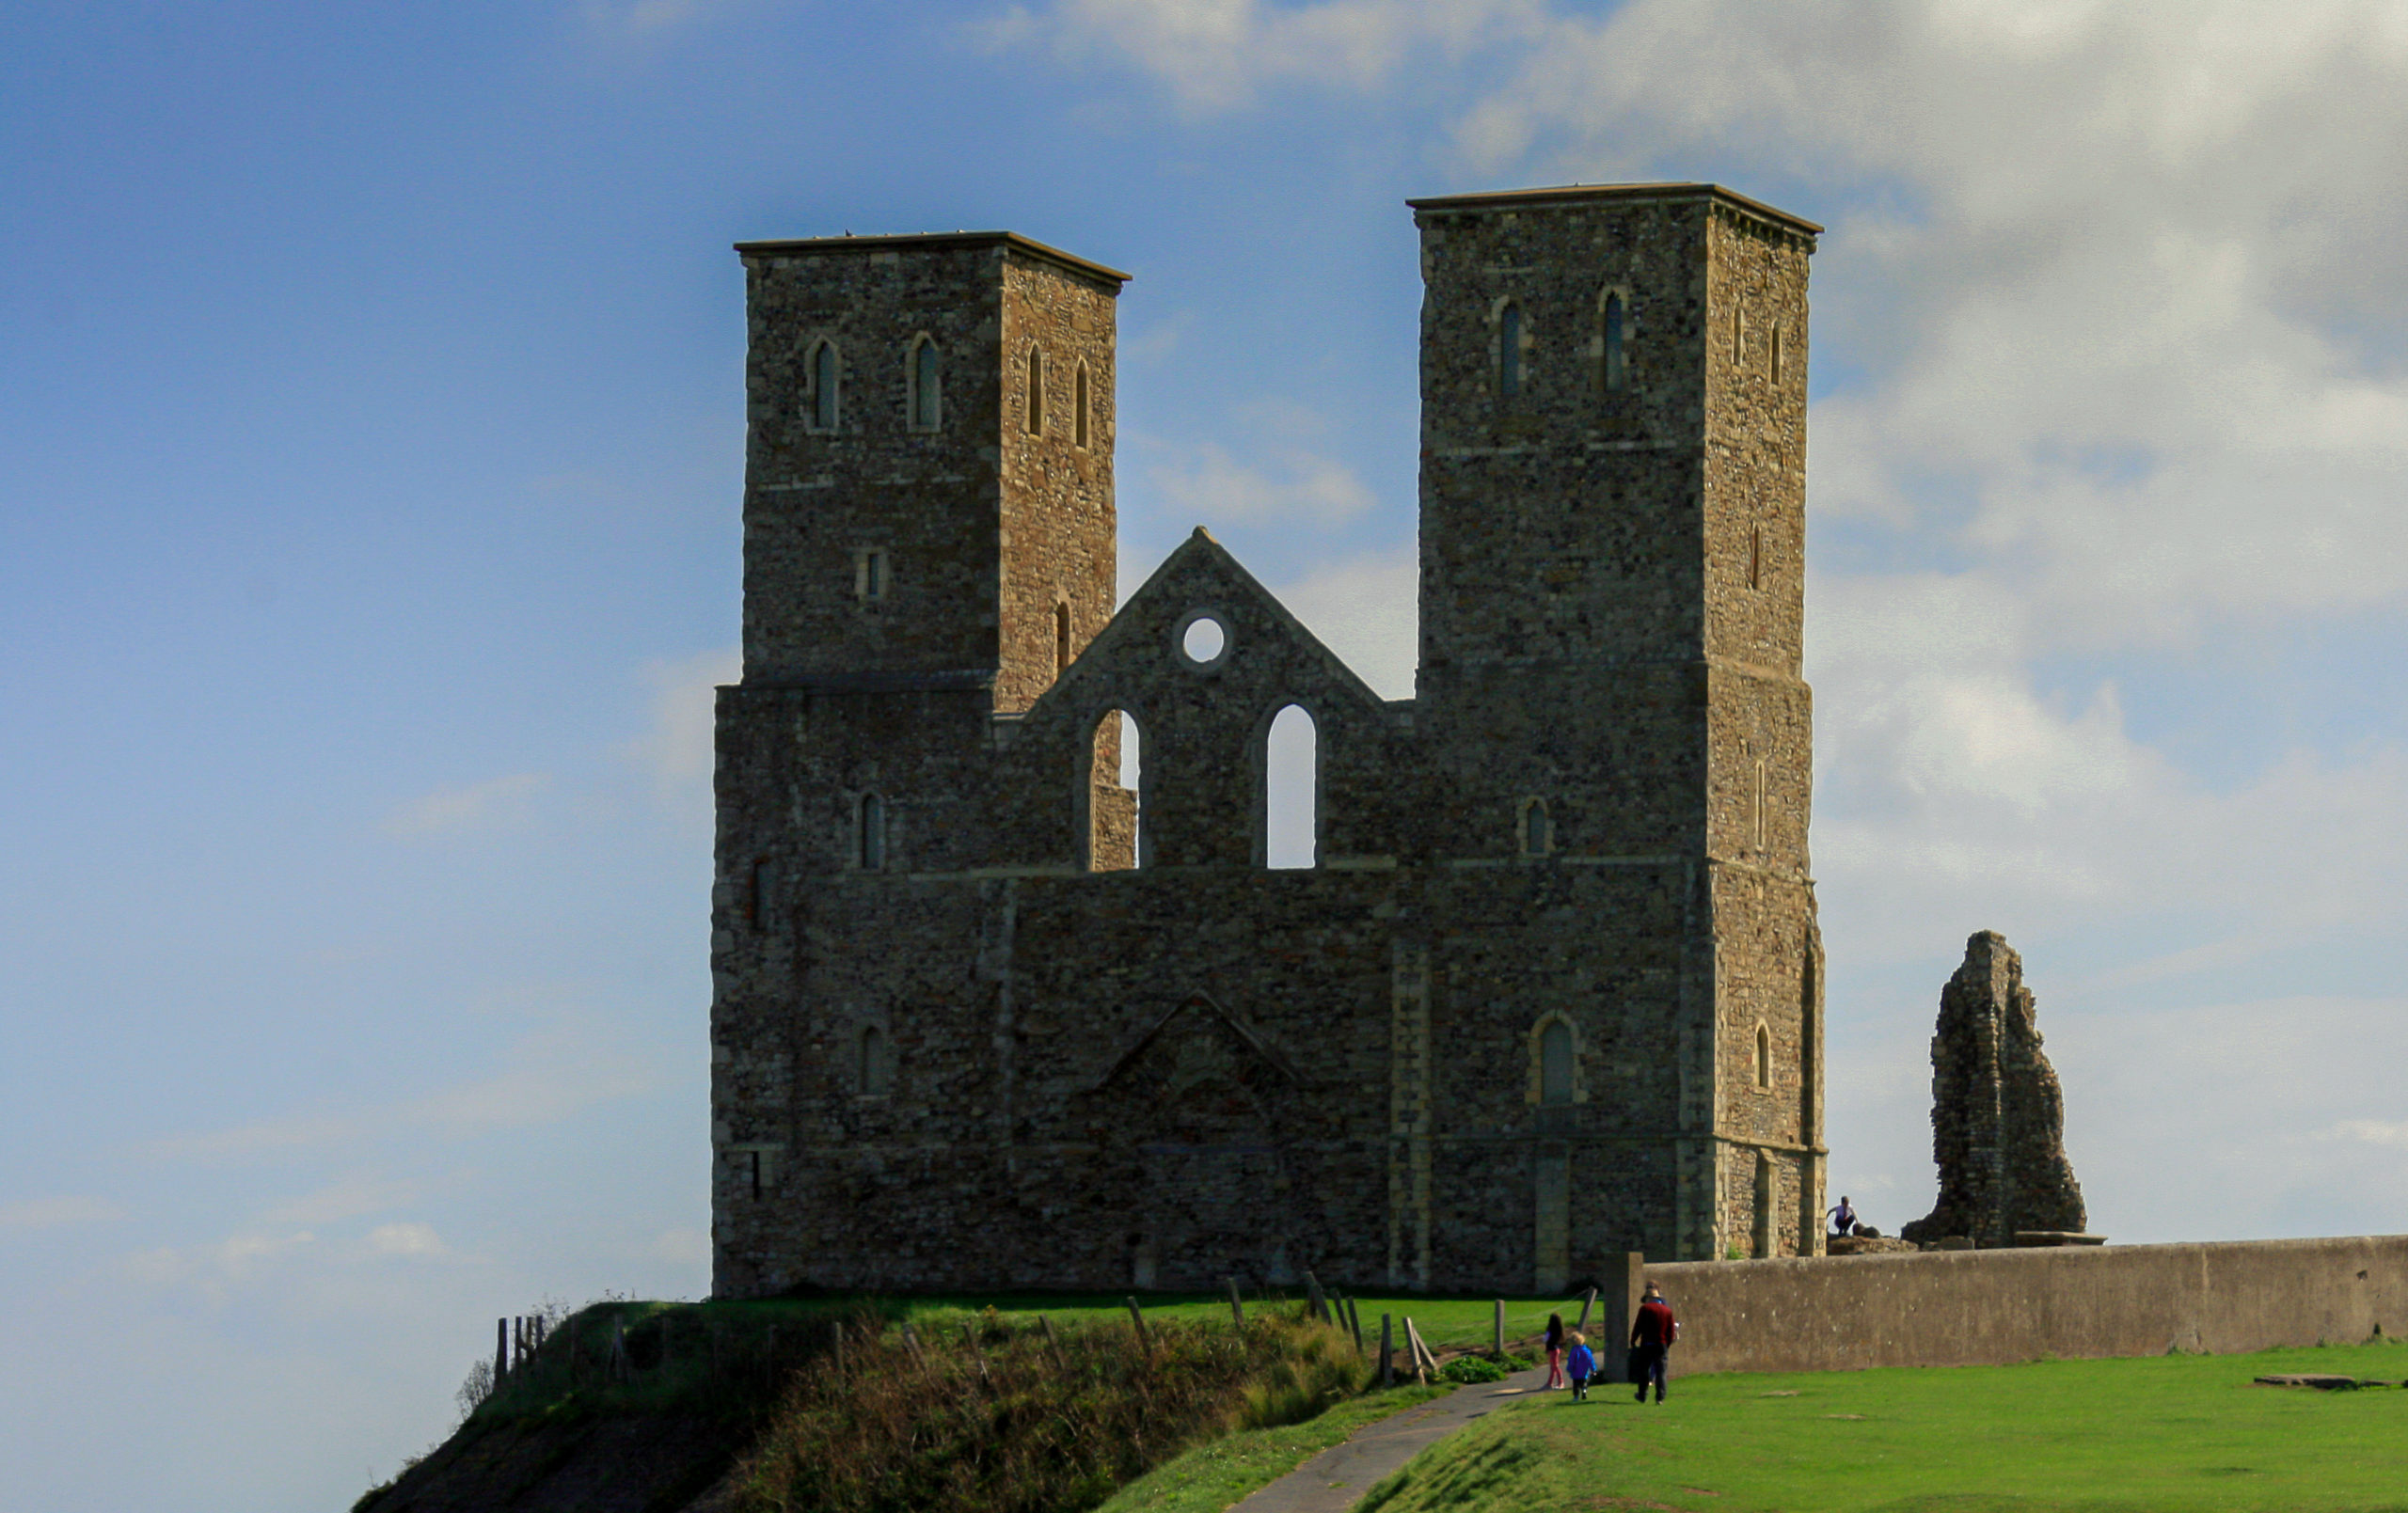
(1335,1479)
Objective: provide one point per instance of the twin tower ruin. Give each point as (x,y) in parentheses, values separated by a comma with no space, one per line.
(1550,990)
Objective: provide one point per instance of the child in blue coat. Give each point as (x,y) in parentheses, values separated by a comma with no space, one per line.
(1580,1365)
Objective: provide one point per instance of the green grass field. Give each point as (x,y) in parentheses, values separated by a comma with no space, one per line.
(2172,1433)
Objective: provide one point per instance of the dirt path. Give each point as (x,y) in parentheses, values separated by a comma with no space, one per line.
(1333,1480)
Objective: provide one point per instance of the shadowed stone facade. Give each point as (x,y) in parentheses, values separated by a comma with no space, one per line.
(1551,990)
(1998,1116)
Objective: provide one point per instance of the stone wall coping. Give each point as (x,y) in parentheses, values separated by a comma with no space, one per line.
(817,246)
(2035,1255)
(1568,194)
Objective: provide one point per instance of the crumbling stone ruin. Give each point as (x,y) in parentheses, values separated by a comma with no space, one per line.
(1550,989)
(1997,1114)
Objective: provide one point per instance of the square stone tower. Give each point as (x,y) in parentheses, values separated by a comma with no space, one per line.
(1613,510)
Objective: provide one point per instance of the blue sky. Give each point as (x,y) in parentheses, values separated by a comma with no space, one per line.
(372,423)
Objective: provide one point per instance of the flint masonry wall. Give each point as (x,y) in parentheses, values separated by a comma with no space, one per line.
(1964,1308)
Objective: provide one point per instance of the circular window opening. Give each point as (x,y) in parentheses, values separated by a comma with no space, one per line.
(1203,640)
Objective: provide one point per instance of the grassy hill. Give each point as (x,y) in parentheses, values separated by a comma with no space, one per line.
(854,1405)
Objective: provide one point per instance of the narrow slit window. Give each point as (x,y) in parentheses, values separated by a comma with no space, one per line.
(1554,1063)
(1776,351)
(1508,351)
(754,1162)
(1079,407)
(1755,557)
(927,385)
(873,832)
(756,902)
(872,575)
(1061,638)
(824,371)
(1538,828)
(1738,337)
(1614,370)
(1036,391)
(1764,1058)
(871,1052)
(1757,818)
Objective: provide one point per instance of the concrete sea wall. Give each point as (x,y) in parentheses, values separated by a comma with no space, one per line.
(1956,1308)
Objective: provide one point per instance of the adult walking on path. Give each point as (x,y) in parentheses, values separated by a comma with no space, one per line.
(1651,1334)
(1335,1479)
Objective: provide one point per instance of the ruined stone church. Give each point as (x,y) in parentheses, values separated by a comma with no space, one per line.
(1550,988)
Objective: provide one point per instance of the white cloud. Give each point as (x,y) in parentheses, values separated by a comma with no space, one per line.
(416,1241)
(2392,1132)
(544,1079)
(53,1213)
(1217,54)
(2125,282)
(348,1198)
(1366,609)
(1209,486)
(679,750)
(682,1246)
(494,803)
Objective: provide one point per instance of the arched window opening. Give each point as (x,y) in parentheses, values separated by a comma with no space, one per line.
(1764,1059)
(1079,407)
(823,370)
(1508,351)
(1036,391)
(871,1060)
(1554,1063)
(1614,370)
(1538,828)
(1061,638)
(925,384)
(873,832)
(1290,784)
(1115,783)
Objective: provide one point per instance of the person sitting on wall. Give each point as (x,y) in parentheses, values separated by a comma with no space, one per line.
(1651,1334)
(1843,1218)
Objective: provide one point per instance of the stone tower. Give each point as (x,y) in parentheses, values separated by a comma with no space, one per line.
(1613,509)
(1548,992)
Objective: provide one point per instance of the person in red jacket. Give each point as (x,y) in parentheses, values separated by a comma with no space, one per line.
(1651,1334)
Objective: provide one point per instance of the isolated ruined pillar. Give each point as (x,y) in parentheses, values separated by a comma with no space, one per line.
(1997,1111)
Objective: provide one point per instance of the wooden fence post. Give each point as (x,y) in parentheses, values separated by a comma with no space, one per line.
(1237,1309)
(1053,1345)
(1586,1304)
(1145,1342)
(836,1344)
(1388,1354)
(1315,1306)
(1413,1350)
(1354,1318)
(1500,1329)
